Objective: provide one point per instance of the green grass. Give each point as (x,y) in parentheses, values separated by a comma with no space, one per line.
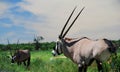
(41,61)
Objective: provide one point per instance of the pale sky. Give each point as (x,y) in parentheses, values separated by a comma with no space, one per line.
(22,19)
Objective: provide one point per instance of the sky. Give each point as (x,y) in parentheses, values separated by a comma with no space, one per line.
(22,19)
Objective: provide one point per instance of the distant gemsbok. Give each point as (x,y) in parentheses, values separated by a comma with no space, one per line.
(20,56)
(83,51)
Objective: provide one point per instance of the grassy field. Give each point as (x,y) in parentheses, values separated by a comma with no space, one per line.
(41,61)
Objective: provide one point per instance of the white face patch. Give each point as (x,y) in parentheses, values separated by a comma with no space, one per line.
(57,50)
(53,52)
(13,57)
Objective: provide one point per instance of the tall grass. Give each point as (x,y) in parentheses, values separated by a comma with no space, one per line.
(41,62)
(6,66)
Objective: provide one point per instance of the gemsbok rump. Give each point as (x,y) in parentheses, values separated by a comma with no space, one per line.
(20,56)
(83,51)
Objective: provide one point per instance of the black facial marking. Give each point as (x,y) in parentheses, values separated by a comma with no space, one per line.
(12,61)
(111,48)
(58,46)
(72,43)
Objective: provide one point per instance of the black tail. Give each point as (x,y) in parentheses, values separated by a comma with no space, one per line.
(112,48)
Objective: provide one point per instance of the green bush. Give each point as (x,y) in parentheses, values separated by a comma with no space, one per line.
(115,64)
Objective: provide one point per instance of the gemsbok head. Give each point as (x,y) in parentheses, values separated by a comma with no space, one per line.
(20,56)
(83,51)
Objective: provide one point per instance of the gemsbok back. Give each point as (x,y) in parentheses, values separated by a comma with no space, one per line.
(83,51)
(20,56)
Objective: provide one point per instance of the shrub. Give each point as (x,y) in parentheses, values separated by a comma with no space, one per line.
(115,64)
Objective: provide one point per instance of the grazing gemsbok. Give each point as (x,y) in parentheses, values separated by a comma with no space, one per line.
(83,51)
(20,56)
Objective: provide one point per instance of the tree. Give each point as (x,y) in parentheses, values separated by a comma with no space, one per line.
(37,39)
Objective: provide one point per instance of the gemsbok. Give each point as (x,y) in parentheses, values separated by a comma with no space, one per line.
(20,56)
(83,51)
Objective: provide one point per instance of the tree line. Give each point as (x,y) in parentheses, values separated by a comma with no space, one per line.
(39,46)
(29,46)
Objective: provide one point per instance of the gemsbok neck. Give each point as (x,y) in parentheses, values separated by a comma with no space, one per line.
(70,42)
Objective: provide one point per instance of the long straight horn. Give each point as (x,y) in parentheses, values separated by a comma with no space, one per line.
(67,21)
(73,22)
(17,44)
(8,41)
(9,47)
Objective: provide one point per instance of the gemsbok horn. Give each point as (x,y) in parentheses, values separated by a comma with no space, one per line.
(20,56)
(83,51)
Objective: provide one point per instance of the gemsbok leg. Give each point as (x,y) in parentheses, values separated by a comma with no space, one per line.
(19,63)
(80,68)
(28,62)
(24,63)
(85,68)
(99,66)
